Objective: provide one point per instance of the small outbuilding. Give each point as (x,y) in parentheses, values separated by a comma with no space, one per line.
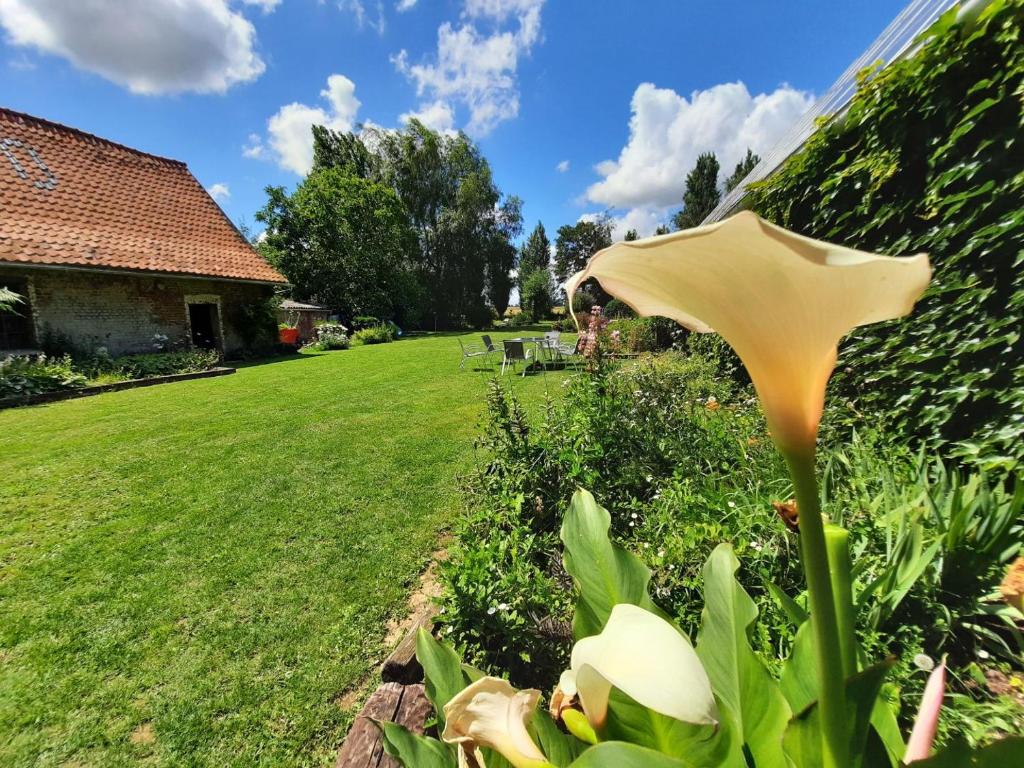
(112,247)
(303,316)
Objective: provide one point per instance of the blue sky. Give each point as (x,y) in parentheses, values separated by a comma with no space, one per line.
(623,95)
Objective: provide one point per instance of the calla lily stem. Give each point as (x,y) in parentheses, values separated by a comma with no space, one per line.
(831,681)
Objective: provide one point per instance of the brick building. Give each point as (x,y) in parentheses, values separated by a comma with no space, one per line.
(114,247)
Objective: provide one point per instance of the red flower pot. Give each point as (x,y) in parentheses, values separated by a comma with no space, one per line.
(288,335)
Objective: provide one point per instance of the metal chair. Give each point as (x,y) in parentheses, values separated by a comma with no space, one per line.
(551,345)
(515,352)
(472,350)
(488,344)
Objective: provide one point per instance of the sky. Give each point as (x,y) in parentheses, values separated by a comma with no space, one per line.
(581,106)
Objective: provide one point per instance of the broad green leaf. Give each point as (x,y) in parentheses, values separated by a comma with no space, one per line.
(887,727)
(799,679)
(802,740)
(559,748)
(701,745)
(442,672)
(413,750)
(604,573)
(738,676)
(616,754)
(1000,754)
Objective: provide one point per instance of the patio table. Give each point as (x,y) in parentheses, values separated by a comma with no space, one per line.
(540,344)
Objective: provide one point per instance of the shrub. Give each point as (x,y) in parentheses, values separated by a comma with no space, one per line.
(616,309)
(23,376)
(364,321)
(537,291)
(946,181)
(375,334)
(157,364)
(331,336)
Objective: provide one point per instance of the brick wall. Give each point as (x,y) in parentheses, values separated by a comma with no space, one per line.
(124,312)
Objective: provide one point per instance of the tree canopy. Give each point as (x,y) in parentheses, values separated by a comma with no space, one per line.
(461,253)
(576,243)
(701,195)
(535,253)
(743,167)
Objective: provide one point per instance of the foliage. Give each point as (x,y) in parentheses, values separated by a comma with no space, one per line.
(662,229)
(576,243)
(616,308)
(950,182)
(464,226)
(9,299)
(375,334)
(743,167)
(23,376)
(331,336)
(100,364)
(701,195)
(534,255)
(631,235)
(341,241)
(757,718)
(256,322)
(536,295)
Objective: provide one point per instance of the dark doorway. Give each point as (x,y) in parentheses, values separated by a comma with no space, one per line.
(16,329)
(203,320)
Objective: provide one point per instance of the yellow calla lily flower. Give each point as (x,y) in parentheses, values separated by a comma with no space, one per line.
(491,713)
(646,658)
(782,301)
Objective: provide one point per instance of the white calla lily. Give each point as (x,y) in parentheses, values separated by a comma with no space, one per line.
(491,713)
(646,658)
(782,301)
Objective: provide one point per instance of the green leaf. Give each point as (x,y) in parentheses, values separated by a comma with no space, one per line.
(413,750)
(559,748)
(737,675)
(802,740)
(443,674)
(604,573)
(615,754)
(790,606)
(700,745)
(1000,754)
(799,680)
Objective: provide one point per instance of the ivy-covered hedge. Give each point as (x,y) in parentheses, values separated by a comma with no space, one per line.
(929,156)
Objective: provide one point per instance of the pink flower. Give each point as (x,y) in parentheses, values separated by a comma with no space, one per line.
(920,745)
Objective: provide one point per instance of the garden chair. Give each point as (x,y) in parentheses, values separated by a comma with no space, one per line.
(488,344)
(551,343)
(472,350)
(570,350)
(515,352)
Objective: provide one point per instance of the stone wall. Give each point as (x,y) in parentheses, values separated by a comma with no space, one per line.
(125,312)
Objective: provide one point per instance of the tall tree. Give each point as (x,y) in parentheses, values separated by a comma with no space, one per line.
(701,195)
(344,150)
(535,253)
(501,256)
(344,242)
(743,167)
(576,243)
(574,246)
(631,235)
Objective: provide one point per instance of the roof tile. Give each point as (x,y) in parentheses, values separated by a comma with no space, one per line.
(68,198)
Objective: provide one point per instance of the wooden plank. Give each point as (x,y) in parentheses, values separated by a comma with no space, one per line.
(401,666)
(362,747)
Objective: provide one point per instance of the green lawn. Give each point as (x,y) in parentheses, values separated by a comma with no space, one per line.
(193,574)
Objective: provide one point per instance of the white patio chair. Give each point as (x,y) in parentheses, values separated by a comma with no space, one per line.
(472,350)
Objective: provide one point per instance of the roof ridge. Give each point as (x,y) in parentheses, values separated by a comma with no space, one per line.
(6,111)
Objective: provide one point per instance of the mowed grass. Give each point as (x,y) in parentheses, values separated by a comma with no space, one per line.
(197,573)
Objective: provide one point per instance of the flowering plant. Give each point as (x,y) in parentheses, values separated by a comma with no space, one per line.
(637,693)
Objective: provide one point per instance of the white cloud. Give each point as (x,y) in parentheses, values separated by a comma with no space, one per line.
(438,115)
(562,167)
(253,147)
(375,22)
(667,132)
(289,130)
(405,5)
(219,191)
(266,5)
(475,69)
(152,47)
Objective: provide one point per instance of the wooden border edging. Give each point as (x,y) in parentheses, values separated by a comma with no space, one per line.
(117,386)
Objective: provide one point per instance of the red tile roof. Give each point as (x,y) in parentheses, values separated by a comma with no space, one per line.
(68,198)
